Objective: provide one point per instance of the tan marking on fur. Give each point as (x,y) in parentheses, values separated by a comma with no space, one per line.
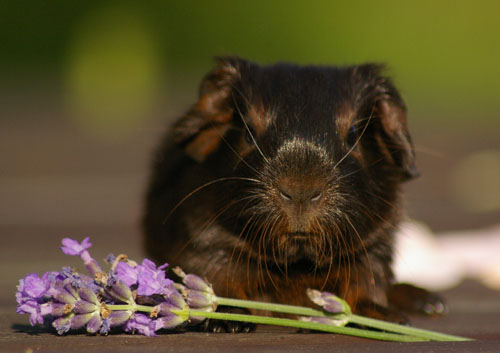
(259,118)
(206,142)
(345,119)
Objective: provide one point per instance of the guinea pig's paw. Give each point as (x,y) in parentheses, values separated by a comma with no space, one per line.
(412,299)
(218,326)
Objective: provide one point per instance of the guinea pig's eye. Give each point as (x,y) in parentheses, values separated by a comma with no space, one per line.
(249,134)
(352,136)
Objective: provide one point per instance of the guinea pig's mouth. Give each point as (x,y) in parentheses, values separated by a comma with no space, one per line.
(299,235)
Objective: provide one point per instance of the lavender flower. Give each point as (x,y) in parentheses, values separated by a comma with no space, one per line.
(29,296)
(31,307)
(151,280)
(141,324)
(126,273)
(72,247)
(70,300)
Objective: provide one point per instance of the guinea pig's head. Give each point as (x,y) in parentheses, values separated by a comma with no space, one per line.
(315,155)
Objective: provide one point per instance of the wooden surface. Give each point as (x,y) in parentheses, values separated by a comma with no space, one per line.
(57,182)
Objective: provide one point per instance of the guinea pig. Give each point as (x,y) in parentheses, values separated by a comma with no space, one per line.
(284,177)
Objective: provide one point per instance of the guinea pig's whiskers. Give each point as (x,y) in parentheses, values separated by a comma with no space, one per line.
(246,125)
(370,213)
(370,267)
(240,159)
(207,224)
(338,235)
(356,142)
(241,238)
(268,231)
(330,264)
(199,188)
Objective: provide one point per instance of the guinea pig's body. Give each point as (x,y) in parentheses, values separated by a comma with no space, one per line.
(282,178)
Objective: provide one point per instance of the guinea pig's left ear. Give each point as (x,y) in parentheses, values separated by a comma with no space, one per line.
(391,111)
(201,129)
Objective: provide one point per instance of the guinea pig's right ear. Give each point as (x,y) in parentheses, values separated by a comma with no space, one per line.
(392,113)
(201,129)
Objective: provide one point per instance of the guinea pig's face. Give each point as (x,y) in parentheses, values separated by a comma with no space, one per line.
(319,153)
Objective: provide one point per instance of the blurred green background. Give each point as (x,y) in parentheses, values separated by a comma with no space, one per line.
(86,87)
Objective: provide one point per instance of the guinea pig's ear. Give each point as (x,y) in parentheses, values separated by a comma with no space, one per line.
(391,111)
(201,129)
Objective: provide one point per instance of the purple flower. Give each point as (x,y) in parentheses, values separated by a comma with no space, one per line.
(29,296)
(31,307)
(55,309)
(72,247)
(141,324)
(106,326)
(126,273)
(31,287)
(152,280)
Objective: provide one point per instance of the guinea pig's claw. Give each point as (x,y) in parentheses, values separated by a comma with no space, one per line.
(220,326)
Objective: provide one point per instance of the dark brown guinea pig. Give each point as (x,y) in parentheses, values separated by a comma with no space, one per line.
(282,178)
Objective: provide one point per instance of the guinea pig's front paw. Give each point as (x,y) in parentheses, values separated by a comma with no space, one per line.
(218,326)
(411,299)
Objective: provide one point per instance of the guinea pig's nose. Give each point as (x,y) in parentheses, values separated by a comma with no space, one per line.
(300,194)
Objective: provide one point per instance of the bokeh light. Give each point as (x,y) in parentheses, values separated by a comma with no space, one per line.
(113,71)
(476,181)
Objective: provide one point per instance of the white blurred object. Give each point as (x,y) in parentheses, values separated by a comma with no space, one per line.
(441,262)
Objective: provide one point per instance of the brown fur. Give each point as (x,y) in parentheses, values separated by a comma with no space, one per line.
(283,178)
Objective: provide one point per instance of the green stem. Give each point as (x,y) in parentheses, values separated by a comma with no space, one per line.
(132,307)
(399,332)
(406,330)
(360,320)
(304,325)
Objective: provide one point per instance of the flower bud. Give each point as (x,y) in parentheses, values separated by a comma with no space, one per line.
(329,302)
(94,323)
(175,298)
(88,295)
(168,322)
(118,318)
(78,321)
(84,307)
(120,291)
(197,299)
(62,324)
